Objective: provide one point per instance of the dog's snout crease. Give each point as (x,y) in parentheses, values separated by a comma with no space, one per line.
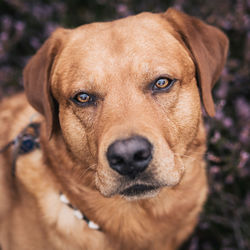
(130,156)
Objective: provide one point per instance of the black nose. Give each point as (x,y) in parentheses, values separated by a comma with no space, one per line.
(130,156)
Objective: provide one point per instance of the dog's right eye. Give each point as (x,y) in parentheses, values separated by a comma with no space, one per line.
(83,99)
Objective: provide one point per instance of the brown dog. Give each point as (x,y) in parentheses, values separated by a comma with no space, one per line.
(121,136)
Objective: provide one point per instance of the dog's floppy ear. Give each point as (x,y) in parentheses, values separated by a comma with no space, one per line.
(208,46)
(37,78)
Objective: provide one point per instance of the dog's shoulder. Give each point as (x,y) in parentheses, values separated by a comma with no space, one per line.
(32,196)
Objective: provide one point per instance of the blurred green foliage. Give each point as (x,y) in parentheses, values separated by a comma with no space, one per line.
(225,222)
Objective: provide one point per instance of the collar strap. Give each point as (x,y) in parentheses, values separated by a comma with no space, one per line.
(78,213)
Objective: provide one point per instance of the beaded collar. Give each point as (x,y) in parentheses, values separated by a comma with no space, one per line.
(78,213)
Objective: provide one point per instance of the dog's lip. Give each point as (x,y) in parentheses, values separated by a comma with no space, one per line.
(138,189)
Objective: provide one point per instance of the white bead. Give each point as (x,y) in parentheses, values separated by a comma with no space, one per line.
(78,214)
(64,199)
(92,225)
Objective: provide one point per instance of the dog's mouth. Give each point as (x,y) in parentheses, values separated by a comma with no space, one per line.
(139,190)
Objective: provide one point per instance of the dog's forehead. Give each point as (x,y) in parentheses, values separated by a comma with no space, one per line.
(143,34)
(141,43)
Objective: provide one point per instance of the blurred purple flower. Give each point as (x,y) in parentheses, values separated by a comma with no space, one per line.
(245,134)
(244,156)
(243,108)
(4,36)
(6,23)
(42,11)
(123,10)
(214,170)
(35,43)
(216,137)
(229,179)
(19,26)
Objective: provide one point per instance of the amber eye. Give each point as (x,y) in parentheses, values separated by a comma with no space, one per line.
(82,99)
(163,84)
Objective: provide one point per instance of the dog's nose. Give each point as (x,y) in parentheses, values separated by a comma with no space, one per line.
(130,156)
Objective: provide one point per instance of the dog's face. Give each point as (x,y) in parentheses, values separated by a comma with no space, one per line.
(127,96)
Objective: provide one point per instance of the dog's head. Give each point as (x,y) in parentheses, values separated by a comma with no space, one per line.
(125,95)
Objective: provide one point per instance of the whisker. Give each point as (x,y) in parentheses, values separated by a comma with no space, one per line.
(183,155)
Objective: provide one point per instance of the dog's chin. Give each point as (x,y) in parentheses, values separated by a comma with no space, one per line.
(139,191)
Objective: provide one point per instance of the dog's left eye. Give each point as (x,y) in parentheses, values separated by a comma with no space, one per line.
(163,84)
(83,99)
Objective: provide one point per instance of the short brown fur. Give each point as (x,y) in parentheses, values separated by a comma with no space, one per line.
(117,61)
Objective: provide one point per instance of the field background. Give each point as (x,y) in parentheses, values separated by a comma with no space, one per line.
(225,222)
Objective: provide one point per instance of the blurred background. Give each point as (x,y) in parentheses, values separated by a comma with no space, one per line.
(225,222)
